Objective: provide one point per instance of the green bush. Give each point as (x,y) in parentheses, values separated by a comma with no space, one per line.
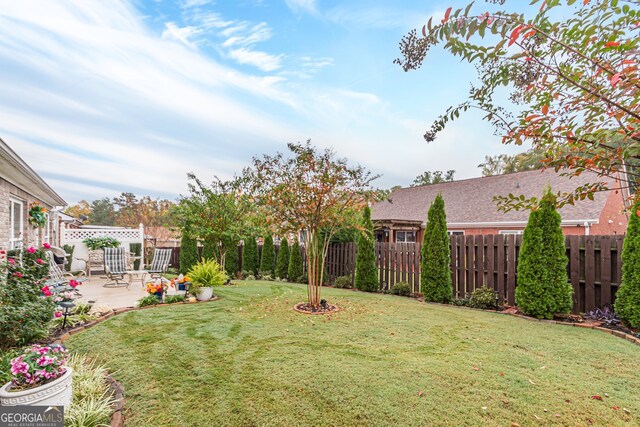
(136,248)
(435,276)
(343,282)
(94,243)
(67,261)
(268,257)
(148,300)
(282,262)
(402,289)
(231,260)
(296,269)
(206,273)
(366,270)
(24,312)
(627,304)
(484,298)
(250,261)
(542,288)
(250,277)
(188,253)
(170,299)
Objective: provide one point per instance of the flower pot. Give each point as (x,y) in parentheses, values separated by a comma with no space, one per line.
(158,295)
(181,287)
(55,393)
(204,294)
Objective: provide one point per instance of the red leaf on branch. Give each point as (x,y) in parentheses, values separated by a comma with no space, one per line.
(530,33)
(612,44)
(515,34)
(545,109)
(615,78)
(446,15)
(585,2)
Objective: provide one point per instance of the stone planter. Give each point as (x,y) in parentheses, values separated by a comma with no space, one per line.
(204,294)
(56,393)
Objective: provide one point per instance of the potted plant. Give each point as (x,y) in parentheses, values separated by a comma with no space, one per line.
(157,288)
(204,276)
(39,377)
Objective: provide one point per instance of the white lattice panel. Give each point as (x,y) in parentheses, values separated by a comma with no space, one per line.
(76,236)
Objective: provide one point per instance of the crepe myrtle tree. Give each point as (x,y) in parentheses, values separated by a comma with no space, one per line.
(574,81)
(310,192)
(217,214)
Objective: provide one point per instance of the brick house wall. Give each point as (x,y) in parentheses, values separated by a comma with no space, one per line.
(613,219)
(31,235)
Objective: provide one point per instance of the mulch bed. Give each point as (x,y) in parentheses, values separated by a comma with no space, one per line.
(306,308)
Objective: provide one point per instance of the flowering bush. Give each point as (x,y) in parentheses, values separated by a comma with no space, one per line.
(37,215)
(37,366)
(157,287)
(25,309)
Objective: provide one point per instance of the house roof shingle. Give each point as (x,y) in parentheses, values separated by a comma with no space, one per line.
(471,201)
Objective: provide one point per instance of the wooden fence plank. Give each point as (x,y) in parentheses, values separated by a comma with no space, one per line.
(500,264)
(590,279)
(511,269)
(605,270)
(574,269)
(479,264)
(470,263)
(490,261)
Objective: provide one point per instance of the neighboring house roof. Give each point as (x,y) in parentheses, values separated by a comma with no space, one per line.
(469,202)
(161,233)
(17,172)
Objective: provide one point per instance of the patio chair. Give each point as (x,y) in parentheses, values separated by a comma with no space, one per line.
(115,267)
(58,279)
(160,263)
(157,268)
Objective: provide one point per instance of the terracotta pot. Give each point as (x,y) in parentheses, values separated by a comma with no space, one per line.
(55,393)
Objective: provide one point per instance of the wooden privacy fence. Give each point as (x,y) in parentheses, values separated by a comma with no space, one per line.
(594,267)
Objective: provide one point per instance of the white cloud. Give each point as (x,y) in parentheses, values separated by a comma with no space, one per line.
(187,4)
(299,6)
(262,60)
(182,34)
(257,33)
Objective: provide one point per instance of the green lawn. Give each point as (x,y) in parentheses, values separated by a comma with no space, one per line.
(249,359)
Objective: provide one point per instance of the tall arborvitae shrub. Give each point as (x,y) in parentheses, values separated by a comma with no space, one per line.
(435,276)
(282,263)
(627,305)
(209,248)
(188,253)
(543,287)
(250,255)
(231,260)
(366,270)
(296,269)
(268,258)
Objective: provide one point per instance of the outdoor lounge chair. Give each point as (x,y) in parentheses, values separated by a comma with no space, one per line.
(57,277)
(160,263)
(115,266)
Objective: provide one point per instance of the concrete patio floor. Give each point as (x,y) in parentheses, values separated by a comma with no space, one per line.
(114,297)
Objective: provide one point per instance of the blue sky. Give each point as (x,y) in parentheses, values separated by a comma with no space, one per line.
(101,97)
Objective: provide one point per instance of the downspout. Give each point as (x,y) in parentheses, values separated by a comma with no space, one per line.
(587,228)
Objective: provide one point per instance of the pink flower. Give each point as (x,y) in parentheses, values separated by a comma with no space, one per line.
(45,360)
(11,261)
(19,368)
(73,283)
(39,261)
(57,314)
(46,246)
(31,250)
(18,274)
(42,350)
(46,291)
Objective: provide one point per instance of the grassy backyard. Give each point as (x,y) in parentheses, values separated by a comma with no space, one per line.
(249,359)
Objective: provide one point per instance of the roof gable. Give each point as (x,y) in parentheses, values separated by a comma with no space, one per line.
(471,201)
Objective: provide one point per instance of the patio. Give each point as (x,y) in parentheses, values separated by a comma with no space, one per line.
(114,297)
